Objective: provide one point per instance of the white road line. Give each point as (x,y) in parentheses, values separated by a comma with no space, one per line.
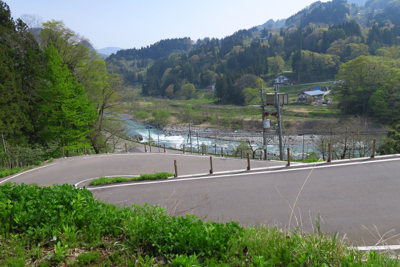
(12,177)
(248,173)
(133,175)
(368,248)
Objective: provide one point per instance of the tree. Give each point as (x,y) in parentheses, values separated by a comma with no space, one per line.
(69,44)
(169,92)
(249,94)
(65,111)
(276,64)
(21,66)
(392,143)
(187,91)
(161,117)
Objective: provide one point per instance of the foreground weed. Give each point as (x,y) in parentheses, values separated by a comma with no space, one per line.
(64,225)
(147,261)
(85,259)
(185,261)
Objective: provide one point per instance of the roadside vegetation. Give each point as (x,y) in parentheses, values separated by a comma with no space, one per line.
(142,177)
(61,225)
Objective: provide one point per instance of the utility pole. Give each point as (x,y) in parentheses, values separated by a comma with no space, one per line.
(149,138)
(4,144)
(198,145)
(190,136)
(278,107)
(263,118)
(158,137)
(303,146)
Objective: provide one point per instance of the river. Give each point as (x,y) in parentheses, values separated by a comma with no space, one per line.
(177,141)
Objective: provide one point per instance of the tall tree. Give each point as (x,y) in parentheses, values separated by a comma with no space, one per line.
(65,111)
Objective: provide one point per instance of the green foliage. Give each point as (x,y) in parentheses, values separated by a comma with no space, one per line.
(9,172)
(67,219)
(161,117)
(141,114)
(28,155)
(370,87)
(84,259)
(242,149)
(185,261)
(142,177)
(187,91)
(65,111)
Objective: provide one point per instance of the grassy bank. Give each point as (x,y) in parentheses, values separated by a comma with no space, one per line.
(142,177)
(63,225)
(7,172)
(229,116)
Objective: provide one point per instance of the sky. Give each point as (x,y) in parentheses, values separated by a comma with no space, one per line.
(132,23)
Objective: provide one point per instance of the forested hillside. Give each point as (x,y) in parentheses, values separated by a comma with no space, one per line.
(312,47)
(54,90)
(133,62)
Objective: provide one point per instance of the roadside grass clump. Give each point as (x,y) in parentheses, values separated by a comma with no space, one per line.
(312,160)
(9,172)
(61,225)
(142,177)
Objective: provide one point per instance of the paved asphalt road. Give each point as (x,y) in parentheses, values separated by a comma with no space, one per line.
(350,196)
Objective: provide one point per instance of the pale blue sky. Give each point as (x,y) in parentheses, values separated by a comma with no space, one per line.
(128,24)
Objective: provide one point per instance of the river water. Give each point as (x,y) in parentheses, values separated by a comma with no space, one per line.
(135,127)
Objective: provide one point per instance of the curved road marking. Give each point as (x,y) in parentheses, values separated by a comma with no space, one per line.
(248,173)
(12,177)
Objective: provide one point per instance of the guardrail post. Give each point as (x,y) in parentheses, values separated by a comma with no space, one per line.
(184,152)
(165,151)
(288,157)
(373,148)
(145,148)
(248,161)
(126,148)
(85,151)
(329,153)
(222,151)
(211,166)
(176,168)
(63,153)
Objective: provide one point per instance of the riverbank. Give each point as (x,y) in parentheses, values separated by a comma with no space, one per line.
(253,137)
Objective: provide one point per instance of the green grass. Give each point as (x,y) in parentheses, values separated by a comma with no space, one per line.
(64,225)
(9,172)
(113,180)
(293,88)
(5,172)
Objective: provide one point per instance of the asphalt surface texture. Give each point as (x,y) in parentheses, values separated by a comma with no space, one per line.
(358,198)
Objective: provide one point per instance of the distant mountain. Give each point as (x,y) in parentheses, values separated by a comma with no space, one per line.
(274,24)
(334,12)
(108,50)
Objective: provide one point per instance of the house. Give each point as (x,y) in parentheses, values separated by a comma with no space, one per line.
(213,87)
(316,95)
(282,80)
